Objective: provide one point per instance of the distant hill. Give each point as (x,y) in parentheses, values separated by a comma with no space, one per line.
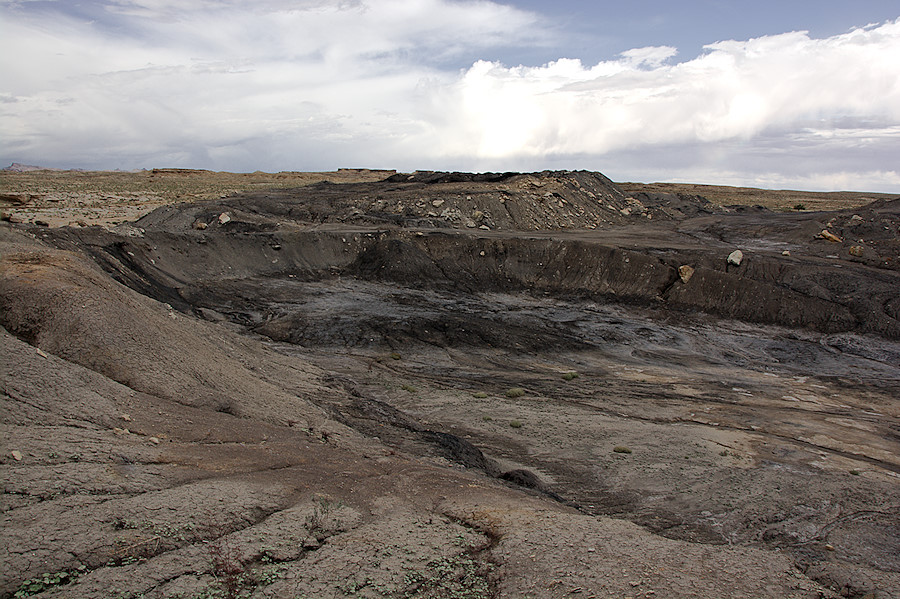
(24,168)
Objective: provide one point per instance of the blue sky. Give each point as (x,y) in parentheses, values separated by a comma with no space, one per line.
(787,94)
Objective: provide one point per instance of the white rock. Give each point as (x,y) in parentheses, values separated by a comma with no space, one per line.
(736,257)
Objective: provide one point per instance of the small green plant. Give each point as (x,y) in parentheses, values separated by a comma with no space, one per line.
(459,577)
(855,472)
(799,207)
(514,392)
(266,576)
(480,395)
(48,580)
(570,376)
(395,356)
(486,418)
(408,388)
(621,449)
(516,424)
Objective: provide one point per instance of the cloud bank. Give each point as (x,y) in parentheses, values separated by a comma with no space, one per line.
(315,84)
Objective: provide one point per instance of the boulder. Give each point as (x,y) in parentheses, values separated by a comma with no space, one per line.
(736,257)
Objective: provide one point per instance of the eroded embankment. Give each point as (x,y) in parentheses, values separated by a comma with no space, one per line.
(195,269)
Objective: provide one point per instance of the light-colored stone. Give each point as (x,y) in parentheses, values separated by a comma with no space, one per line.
(200,225)
(856,250)
(786,253)
(826,234)
(437,203)
(685,272)
(224,218)
(17,455)
(736,257)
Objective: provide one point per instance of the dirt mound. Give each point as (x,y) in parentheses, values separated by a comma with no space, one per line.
(524,202)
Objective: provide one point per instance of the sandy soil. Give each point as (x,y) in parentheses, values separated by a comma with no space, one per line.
(452,386)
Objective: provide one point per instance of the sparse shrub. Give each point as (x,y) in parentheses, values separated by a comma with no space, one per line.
(227,568)
(621,449)
(515,392)
(854,472)
(570,376)
(409,388)
(395,356)
(799,206)
(486,418)
(321,513)
(516,424)
(480,395)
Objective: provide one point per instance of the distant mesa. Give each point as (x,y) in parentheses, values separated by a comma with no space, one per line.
(17,167)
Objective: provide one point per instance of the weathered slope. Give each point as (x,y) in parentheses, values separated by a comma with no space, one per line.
(140,492)
(57,301)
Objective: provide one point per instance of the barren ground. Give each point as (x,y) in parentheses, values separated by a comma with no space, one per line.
(445,385)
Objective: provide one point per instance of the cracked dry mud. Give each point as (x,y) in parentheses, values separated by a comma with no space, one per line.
(306,393)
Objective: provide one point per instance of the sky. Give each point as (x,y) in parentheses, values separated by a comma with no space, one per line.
(787,94)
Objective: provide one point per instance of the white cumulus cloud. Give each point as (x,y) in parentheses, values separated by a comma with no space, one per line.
(307,84)
(735,90)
